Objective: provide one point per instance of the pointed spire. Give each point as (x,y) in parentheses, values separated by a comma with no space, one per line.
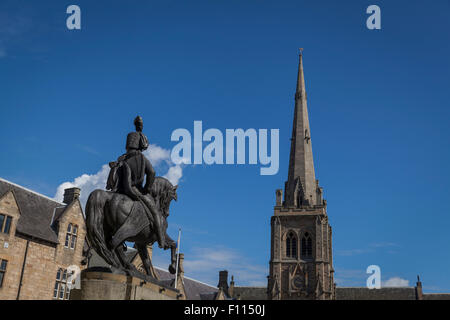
(301,187)
(300,76)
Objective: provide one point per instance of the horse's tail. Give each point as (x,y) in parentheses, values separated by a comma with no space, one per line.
(95,208)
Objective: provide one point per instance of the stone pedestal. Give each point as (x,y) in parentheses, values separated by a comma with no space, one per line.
(109,286)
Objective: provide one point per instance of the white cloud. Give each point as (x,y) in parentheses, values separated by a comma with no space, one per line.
(350,277)
(395,282)
(174,174)
(156,155)
(87,183)
(90,182)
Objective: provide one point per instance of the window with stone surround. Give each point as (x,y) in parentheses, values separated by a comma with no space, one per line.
(5,223)
(3,264)
(306,246)
(71,236)
(291,245)
(61,290)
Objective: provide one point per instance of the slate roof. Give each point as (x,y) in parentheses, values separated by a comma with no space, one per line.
(388,293)
(59,211)
(195,290)
(36,211)
(250,293)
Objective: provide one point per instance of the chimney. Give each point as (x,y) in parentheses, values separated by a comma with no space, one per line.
(223,281)
(231,290)
(180,277)
(71,194)
(180,265)
(419,294)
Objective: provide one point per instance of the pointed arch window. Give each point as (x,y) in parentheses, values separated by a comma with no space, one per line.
(306,246)
(291,245)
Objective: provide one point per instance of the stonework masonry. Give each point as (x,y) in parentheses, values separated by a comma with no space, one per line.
(33,263)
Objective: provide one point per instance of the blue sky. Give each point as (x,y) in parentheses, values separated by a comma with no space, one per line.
(378,103)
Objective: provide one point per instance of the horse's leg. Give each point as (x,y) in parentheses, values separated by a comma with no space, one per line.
(118,211)
(146,261)
(173,254)
(125,263)
(127,230)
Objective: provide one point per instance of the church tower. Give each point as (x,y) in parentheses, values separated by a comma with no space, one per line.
(301,262)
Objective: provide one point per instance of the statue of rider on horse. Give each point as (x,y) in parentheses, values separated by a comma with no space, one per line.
(131,210)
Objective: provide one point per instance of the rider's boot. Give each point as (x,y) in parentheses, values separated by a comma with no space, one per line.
(159,233)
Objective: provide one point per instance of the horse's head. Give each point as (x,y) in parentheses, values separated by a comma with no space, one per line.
(164,192)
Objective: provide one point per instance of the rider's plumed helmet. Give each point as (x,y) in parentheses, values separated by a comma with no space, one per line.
(133,140)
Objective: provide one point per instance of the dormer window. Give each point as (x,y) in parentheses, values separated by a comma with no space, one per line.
(5,223)
(71,236)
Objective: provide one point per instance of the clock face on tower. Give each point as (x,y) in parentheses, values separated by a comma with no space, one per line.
(298,282)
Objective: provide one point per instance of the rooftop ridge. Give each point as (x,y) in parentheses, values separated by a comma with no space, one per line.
(159,268)
(31,191)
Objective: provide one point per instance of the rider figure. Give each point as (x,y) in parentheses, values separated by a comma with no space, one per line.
(143,141)
(135,166)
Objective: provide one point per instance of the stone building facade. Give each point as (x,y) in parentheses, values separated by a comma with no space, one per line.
(42,239)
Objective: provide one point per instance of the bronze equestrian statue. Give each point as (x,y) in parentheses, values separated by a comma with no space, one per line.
(131,211)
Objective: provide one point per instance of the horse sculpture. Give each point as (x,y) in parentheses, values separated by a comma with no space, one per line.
(113,218)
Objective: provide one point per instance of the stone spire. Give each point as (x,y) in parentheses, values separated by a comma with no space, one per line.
(301,188)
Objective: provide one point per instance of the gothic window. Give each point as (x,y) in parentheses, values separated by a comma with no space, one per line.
(291,245)
(306,246)
(61,290)
(5,223)
(3,264)
(71,236)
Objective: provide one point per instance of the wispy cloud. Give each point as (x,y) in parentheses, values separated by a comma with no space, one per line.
(88,149)
(384,245)
(395,282)
(351,252)
(205,263)
(350,277)
(12,25)
(89,182)
(388,247)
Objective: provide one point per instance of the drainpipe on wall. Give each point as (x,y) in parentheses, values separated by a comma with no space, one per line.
(23,270)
